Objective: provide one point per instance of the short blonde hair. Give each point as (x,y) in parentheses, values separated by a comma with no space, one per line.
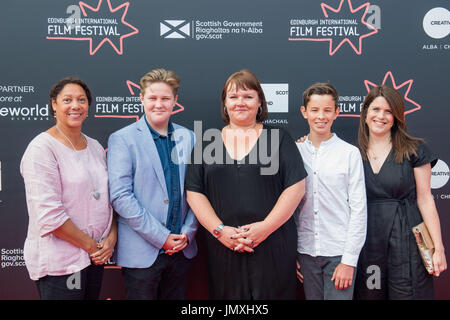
(160,75)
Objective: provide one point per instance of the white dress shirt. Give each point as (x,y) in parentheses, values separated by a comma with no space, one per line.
(333,213)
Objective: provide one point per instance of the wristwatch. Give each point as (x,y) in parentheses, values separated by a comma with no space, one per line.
(217,232)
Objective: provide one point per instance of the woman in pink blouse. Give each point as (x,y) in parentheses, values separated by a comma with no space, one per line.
(71,232)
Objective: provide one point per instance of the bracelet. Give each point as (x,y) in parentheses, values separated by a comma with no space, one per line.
(217,232)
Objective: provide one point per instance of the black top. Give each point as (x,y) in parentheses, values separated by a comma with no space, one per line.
(243,192)
(390,244)
(396,180)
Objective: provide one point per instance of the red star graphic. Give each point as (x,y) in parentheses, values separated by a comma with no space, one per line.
(357,48)
(365,6)
(92,51)
(403,88)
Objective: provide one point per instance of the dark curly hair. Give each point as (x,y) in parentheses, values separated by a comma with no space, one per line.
(57,88)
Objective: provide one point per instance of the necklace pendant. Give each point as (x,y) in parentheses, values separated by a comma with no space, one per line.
(96,195)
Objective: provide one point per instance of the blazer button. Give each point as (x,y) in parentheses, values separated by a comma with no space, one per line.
(166,200)
(163,223)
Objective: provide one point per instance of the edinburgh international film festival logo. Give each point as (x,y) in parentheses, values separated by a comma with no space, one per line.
(97,24)
(341,26)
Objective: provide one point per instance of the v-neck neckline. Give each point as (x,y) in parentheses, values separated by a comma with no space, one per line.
(382,165)
(245,156)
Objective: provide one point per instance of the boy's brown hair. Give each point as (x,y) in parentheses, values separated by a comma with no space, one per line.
(320,88)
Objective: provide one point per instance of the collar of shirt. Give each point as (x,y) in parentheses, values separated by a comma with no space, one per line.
(332,140)
(155,134)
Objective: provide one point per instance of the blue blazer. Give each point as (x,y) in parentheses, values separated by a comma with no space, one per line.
(138,193)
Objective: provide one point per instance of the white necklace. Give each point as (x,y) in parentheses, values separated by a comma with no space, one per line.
(95,192)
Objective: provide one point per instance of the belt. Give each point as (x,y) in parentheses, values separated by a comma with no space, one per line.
(388,200)
(404,230)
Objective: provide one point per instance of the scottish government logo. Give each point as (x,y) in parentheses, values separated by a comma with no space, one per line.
(209,29)
(175,29)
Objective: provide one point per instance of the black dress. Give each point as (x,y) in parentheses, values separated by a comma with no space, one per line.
(390,266)
(240,195)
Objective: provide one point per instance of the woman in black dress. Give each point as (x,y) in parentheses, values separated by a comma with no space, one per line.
(397,170)
(244,191)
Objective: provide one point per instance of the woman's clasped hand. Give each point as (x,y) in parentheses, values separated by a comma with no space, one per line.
(246,238)
(233,238)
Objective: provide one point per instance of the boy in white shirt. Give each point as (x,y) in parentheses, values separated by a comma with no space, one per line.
(333,214)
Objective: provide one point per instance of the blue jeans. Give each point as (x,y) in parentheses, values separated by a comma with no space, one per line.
(82,285)
(166,279)
(317,273)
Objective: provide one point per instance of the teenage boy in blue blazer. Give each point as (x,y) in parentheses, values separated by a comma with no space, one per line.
(146,168)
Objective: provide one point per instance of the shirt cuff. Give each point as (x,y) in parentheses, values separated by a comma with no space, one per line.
(350,259)
(47,229)
(162,238)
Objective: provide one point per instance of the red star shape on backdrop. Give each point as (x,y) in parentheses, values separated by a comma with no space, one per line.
(92,50)
(403,88)
(123,5)
(361,9)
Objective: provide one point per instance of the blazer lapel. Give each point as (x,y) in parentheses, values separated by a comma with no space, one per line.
(183,144)
(149,147)
(182,152)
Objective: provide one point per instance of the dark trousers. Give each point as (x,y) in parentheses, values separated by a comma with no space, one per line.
(166,279)
(317,273)
(82,285)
